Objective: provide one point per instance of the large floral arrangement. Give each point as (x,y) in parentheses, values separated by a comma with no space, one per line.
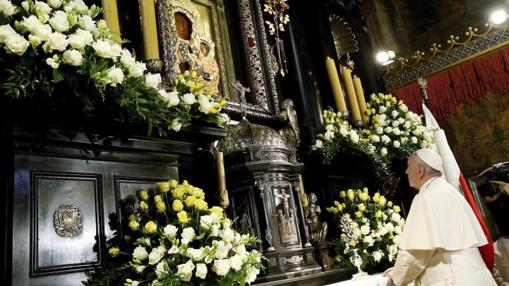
(371,225)
(171,237)
(392,132)
(56,50)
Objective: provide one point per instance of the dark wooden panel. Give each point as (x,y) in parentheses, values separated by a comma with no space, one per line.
(41,169)
(94,186)
(50,251)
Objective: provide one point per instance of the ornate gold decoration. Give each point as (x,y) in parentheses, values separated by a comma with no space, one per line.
(436,49)
(68,220)
(440,57)
(277,9)
(344,38)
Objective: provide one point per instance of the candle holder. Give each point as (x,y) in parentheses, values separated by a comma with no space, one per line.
(357,261)
(154,65)
(357,123)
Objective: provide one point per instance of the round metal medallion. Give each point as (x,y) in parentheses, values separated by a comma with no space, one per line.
(68,220)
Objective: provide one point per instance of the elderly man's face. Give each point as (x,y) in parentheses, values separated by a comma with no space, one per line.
(412,171)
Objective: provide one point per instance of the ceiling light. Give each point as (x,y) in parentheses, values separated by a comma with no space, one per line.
(498,16)
(385,57)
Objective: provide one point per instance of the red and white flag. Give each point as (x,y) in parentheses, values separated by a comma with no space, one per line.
(454,176)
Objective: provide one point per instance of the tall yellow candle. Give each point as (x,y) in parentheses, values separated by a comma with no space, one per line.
(350,92)
(110,14)
(149,27)
(360,98)
(334,82)
(224,201)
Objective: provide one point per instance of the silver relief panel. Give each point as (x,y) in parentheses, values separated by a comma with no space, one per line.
(68,220)
(64,235)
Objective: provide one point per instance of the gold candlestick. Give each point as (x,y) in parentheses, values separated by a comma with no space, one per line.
(360,98)
(221,180)
(337,92)
(149,28)
(303,196)
(352,99)
(110,14)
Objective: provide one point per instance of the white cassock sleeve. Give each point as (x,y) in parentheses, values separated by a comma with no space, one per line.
(409,265)
(440,218)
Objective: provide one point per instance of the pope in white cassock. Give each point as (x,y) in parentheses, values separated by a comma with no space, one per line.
(441,234)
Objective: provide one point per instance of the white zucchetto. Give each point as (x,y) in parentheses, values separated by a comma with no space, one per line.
(431,158)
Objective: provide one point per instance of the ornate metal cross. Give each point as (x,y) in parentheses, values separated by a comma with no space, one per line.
(242,94)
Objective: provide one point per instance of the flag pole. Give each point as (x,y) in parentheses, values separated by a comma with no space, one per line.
(423,84)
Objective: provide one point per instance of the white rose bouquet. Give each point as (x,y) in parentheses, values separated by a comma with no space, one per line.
(395,128)
(170,236)
(372,225)
(393,132)
(56,55)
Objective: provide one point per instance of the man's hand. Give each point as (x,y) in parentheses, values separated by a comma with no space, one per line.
(388,272)
(503,186)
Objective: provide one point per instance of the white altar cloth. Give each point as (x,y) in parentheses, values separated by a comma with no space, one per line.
(371,280)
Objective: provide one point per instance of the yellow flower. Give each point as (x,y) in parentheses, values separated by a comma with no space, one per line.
(379,214)
(113,252)
(341,207)
(201,204)
(351,196)
(163,187)
(365,190)
(187,73)
(182,216)
(133,225)
(191,85)
(396,209)
(376,197)
(161,206)
(217,211)
(143,205)
(361,207)
(194,74)
(190,201)
(342,194)
(382,201)
(158,199)
(389,204)
(173,184)
(353,242)
(178,192)
(358,214)
(177,205)
(364,197)
(150,227)
(132,217)
(143,195)
(197,192)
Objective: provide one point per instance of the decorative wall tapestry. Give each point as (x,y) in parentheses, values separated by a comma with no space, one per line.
(480,135)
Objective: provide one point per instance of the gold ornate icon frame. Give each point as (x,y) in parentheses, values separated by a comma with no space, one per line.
(264,99)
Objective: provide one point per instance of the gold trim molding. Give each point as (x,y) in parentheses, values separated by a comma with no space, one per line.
(457,50)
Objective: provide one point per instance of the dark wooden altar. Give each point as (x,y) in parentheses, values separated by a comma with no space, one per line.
(47,169)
